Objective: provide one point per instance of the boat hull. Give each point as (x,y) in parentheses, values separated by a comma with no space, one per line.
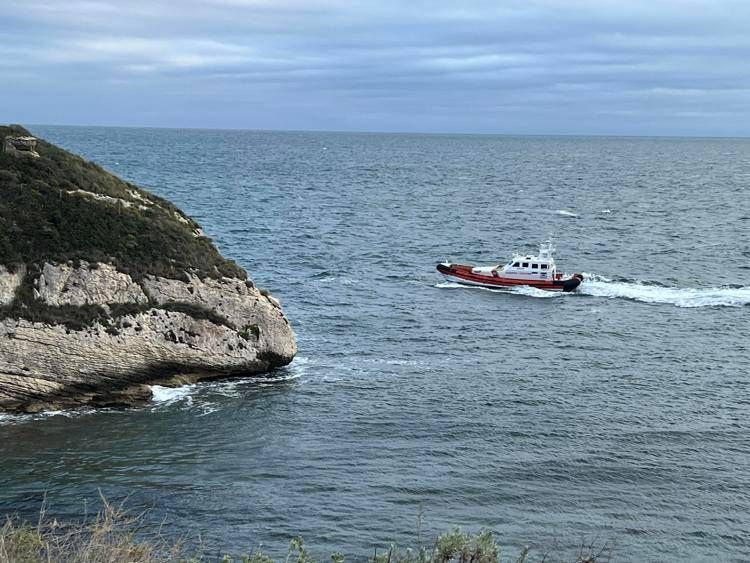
(464,275)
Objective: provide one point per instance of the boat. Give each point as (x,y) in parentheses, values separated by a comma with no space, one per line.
(539,271)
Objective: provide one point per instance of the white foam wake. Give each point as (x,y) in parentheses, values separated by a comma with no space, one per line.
(533,292)
(600,286)
(520,290)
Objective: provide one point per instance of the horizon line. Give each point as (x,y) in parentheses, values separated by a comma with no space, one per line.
(370,132)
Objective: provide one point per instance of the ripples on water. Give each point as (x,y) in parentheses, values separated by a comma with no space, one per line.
(619,412)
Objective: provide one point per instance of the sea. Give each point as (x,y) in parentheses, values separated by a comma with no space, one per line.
(616,417)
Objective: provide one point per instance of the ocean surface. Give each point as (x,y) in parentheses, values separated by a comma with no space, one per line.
(616,414)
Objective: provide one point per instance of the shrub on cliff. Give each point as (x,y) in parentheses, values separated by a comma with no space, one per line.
(60,207)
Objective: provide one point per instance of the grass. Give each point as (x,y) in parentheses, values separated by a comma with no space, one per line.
(41,219)
(108,537)
(114,535)
(44,218)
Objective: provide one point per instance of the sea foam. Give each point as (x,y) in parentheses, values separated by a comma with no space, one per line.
(599,286)
(595,285)
(566,213)
(168,395)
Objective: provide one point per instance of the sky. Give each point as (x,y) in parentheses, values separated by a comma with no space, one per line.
(630,67)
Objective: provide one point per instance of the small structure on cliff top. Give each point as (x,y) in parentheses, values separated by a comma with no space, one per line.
(20,146)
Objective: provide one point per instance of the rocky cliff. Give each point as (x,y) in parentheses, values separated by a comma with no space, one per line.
(106,288)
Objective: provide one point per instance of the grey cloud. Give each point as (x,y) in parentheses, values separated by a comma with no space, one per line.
(517,66)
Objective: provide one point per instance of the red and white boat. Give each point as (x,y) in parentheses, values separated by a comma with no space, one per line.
(538,271)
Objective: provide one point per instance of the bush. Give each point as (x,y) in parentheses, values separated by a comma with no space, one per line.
(112,537)
(109,537)
(49,211)
(58,208)
(454,546)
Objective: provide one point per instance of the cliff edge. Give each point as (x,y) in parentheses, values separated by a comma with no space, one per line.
(106,288)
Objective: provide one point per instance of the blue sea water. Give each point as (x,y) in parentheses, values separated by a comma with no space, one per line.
(617,414)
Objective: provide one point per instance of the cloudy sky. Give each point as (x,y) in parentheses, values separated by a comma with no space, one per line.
(663,67)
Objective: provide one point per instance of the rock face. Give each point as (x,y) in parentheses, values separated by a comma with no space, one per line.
(79,329)
(9,283)
(62,284)
(20,147)
(49,365)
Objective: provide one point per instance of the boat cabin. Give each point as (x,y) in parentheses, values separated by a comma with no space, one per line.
(541,266)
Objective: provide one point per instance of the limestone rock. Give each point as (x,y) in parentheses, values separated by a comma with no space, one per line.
(106,289)
(20,146)
(238,301)
(40,360)
(101,284)
(9,283)
(46,365)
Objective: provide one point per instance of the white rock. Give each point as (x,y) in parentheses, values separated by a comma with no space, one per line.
(217,327)
(9,282)
(101,284)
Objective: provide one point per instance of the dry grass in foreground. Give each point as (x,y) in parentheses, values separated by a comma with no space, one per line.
(110,537)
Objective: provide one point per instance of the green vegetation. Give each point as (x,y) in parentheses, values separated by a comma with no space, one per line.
(57,208)
(110,537)
(115,536)
(455,545)
(60,208)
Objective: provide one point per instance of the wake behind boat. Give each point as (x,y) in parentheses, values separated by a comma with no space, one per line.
(536,271)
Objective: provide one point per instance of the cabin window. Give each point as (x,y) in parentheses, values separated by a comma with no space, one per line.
(525,264)
(535,266)
(516,264)
(544,266)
